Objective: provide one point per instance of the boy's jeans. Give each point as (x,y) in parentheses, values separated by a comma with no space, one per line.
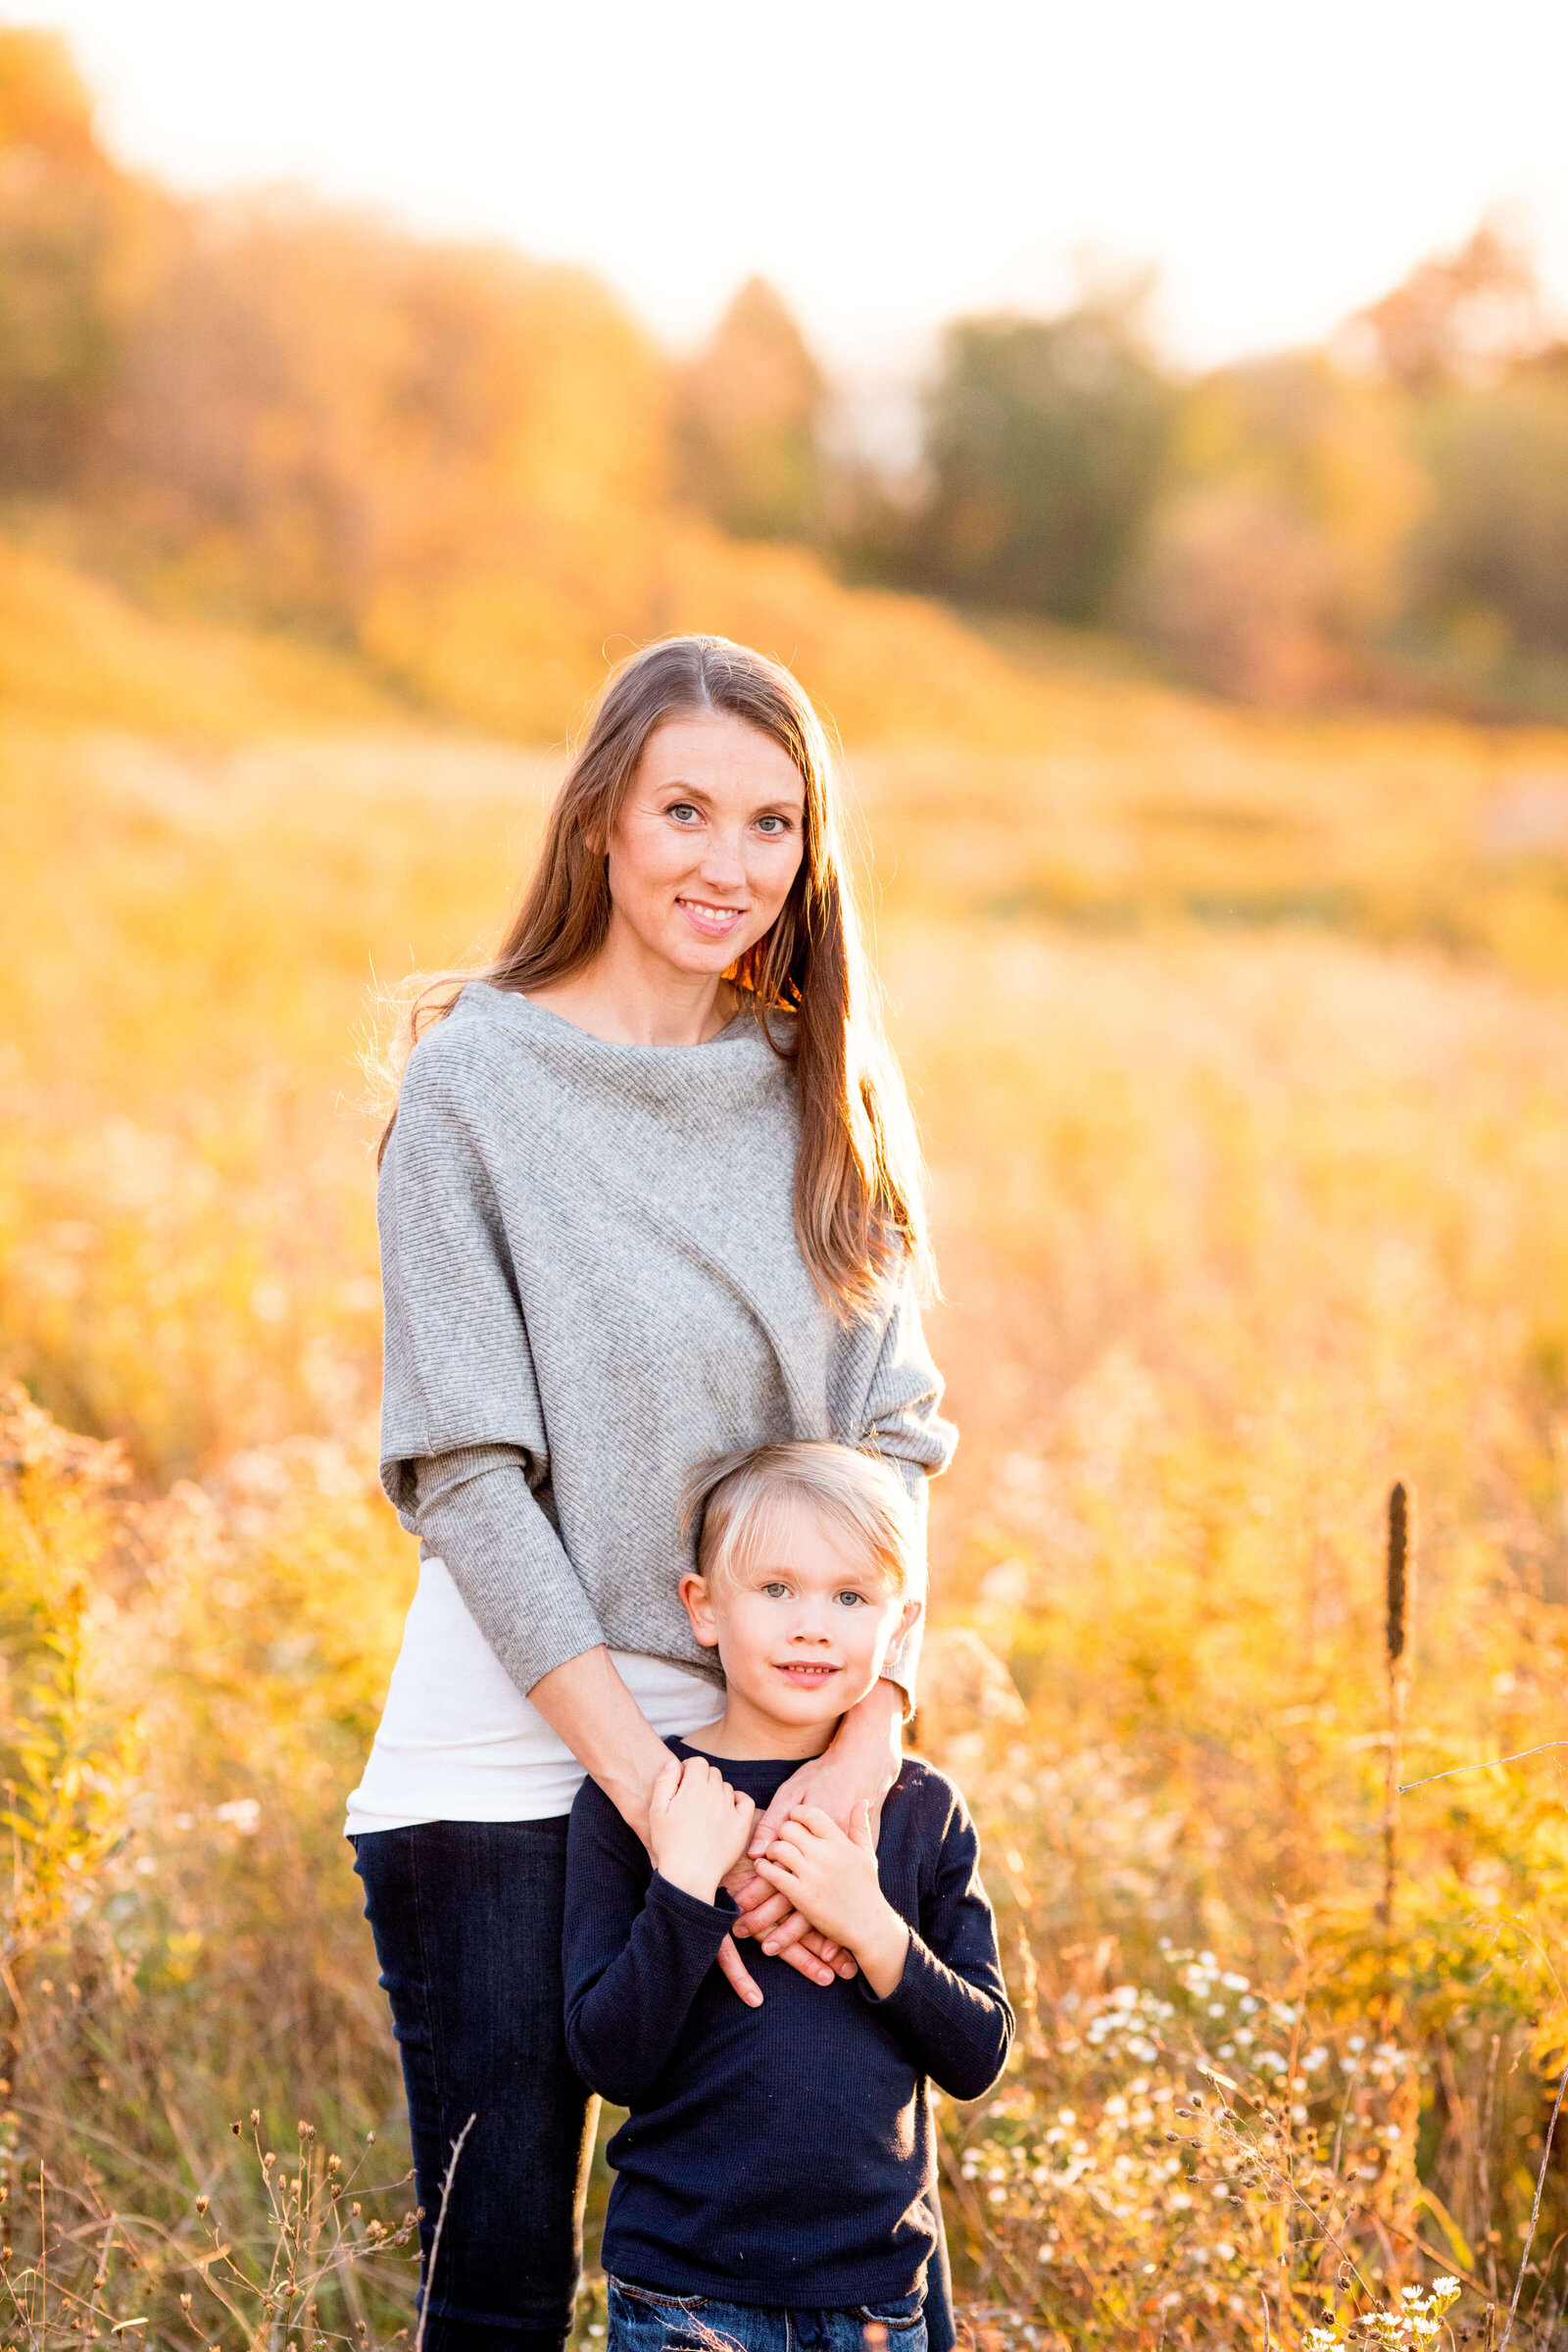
(642,2318)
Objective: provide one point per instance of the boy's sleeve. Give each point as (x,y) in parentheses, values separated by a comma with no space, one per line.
(635,1951)
(950,2007)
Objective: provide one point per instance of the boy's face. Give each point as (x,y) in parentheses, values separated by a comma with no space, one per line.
(804,1631)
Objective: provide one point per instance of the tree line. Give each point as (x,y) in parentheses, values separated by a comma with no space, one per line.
(1387,515)
(272,408)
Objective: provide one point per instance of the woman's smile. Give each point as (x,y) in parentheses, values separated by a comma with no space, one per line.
(712,921)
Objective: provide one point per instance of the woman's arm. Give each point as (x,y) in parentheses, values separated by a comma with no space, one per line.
(858,1769)
(901,1391)
(464,1442)
(901,1419)
(586,1704)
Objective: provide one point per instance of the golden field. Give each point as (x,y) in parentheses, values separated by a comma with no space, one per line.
(1240,1048)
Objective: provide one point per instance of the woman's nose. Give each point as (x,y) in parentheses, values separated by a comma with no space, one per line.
(723,868)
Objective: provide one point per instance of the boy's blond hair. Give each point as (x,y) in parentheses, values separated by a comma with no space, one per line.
(736,1502)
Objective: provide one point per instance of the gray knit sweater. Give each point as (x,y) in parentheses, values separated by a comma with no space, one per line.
(592,1285)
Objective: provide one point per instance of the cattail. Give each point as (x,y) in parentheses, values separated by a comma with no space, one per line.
(1400,1588)
(1402,1572)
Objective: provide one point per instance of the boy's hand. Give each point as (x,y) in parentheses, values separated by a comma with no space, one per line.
(832,1878)
(698,1826)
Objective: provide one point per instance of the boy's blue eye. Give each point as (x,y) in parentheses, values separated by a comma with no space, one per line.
(775,1591)
(854,1600)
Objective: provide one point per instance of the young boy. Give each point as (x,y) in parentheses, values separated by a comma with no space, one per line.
(776,2178)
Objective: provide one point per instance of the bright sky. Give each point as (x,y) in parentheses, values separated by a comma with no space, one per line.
(885,163)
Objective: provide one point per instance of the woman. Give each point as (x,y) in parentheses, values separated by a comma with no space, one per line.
(651,1194)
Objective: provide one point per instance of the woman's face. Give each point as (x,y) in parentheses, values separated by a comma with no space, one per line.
(708,839)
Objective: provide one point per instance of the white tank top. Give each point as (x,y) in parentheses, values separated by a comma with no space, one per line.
(458,1741)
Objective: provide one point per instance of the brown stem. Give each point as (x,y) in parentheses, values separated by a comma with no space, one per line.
(1400,1610)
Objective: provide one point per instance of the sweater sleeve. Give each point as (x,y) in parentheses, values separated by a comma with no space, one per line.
(899,1418)
(950,2007)
(463,1449)
(476,1512)
(635,1952)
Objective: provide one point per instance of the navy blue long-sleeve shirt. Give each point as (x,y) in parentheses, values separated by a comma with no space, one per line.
(780,2156)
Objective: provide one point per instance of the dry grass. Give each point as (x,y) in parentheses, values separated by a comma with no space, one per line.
(1239,1049)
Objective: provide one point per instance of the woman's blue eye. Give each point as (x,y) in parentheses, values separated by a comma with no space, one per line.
(681,809)
(776,822)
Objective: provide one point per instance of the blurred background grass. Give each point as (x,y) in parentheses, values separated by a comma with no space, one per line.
(1214,828)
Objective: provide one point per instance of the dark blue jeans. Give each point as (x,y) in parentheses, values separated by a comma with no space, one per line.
(466,1917)
(643,2320)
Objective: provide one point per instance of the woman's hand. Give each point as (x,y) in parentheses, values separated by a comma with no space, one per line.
(762,1908)
(698,1826)
(856,1770)
(832,1878)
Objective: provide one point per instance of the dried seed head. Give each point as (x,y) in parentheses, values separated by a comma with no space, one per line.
(334,2164)
(267,2161)
(256,2115)
(201,2204)
(1402,1570)
(236,2129)
(184,2302)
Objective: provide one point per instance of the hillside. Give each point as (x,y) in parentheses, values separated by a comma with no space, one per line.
(1238,1043)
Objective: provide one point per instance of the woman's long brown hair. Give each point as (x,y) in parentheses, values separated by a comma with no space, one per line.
(858,1207)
